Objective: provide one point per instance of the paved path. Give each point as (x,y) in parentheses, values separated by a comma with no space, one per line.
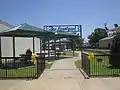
(101,84)
(10,84)
(62,76)
(65,76)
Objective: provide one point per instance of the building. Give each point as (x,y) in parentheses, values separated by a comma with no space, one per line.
(21,43)
(106,42)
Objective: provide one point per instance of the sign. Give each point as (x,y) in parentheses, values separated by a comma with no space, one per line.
(62,28)
(75,29)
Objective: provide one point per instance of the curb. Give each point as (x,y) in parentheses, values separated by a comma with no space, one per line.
(84,74)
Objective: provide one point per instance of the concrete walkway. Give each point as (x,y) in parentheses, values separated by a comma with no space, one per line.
(10,84)
(62,76)
(65,76)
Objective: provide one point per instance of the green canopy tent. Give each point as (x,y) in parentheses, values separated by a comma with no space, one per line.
(23,30)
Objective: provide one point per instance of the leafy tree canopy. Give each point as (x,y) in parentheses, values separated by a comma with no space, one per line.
(98,34)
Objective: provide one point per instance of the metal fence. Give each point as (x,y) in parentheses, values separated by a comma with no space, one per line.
(100,65)
(86,64)
(11,67)
(96,50)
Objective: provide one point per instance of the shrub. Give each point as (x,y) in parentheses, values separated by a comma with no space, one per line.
(114,58)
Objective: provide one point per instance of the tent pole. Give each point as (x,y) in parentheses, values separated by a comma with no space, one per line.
(55,46)
(0,52)
(73,48)
(13,38)
(48,49)
(33,44)
(40,45)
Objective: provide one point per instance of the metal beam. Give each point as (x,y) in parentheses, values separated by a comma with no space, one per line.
(48,49)
(40,45)
(0,52)
(13,38)
(33,44)
(80,48)
(55,47)
(73,48)
(59,25)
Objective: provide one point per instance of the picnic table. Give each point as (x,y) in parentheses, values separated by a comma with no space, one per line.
(26,57)
(41,53)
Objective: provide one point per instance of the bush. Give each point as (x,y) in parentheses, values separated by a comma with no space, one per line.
(114,59)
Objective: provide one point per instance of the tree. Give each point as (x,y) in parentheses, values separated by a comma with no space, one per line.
(114,58)
(98,34)
(77,42)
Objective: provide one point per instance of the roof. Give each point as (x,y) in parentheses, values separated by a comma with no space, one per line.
(24,30)
(61,40)
(107,38)
(5,26)
(24,27)
(65,34)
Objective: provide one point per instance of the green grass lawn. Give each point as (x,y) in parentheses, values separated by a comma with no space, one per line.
(103,67)
(78,63)
(29,71)
(23,72)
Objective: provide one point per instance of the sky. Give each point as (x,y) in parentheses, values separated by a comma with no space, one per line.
(90,14)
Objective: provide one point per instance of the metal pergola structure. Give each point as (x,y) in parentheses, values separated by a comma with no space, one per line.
(64,31)
(57,36)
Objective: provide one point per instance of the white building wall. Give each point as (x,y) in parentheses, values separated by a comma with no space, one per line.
(104,43)
(37,45)
(6,46)
(21,45)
